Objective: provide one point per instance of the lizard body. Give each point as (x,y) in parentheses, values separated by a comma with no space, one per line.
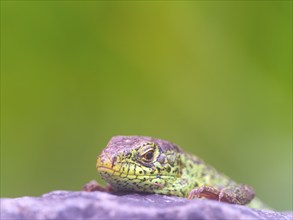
(146,164)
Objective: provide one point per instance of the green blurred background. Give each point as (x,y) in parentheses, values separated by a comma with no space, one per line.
(213,77)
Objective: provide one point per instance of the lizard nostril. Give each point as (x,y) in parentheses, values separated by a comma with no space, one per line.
(103,160)
(114,159)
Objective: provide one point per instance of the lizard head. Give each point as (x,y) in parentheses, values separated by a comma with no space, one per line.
(139,163)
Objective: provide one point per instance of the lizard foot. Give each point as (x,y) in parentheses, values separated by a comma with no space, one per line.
(237,194)
(234,194)
(95,186)
(204,191)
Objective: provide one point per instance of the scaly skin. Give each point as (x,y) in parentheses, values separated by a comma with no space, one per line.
(146,164)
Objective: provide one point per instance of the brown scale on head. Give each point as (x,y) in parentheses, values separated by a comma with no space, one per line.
(128,143)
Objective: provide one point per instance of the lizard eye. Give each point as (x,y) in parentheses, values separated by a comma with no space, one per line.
(148,156)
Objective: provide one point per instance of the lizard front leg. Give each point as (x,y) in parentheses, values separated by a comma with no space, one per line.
(234,194)
(95,186)
(205,191)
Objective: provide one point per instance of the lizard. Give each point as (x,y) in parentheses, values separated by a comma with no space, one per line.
(152,165)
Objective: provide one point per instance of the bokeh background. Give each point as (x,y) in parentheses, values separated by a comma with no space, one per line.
(213,77)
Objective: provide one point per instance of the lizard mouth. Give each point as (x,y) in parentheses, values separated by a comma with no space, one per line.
(106,171)
(106,167)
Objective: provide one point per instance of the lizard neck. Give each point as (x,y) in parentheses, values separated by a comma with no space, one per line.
(195,173)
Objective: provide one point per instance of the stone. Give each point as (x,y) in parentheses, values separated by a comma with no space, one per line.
(102,205)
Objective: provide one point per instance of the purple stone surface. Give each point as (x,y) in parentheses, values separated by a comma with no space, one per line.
(102,205)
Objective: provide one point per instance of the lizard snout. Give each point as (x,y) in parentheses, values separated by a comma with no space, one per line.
(104,161)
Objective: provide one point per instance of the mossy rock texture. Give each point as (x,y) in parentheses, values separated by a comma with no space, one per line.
(102,205)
